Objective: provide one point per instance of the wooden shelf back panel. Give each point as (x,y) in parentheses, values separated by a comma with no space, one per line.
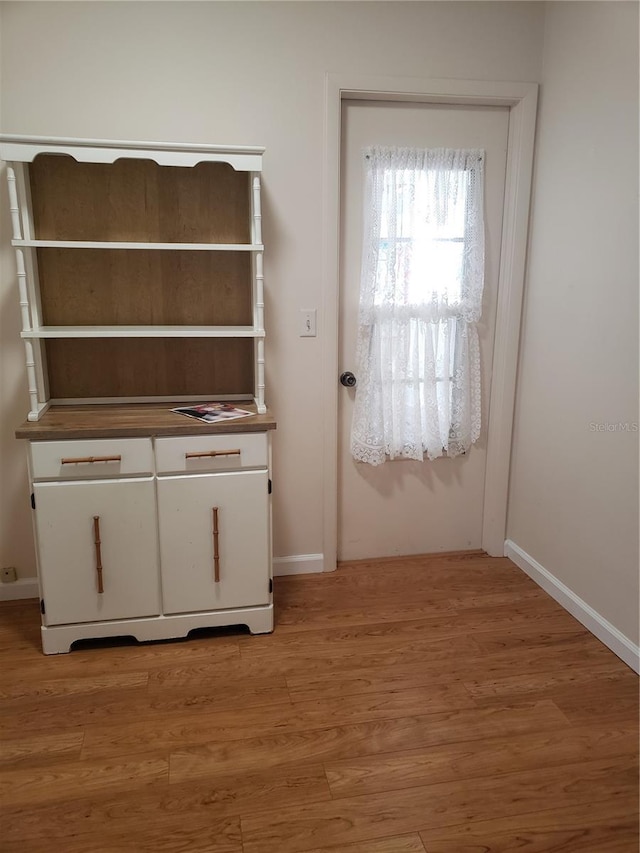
(139,201)
(88,368)
(91,287)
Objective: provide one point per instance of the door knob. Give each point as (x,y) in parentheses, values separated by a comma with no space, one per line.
(348,379)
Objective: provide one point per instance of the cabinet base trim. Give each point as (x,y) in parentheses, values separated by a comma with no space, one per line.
(57,639)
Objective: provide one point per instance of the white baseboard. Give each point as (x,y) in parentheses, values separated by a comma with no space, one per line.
(22,588)
(300,564)
(607,633)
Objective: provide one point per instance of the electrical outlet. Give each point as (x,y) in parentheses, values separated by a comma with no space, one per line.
(8,575)
(308,323)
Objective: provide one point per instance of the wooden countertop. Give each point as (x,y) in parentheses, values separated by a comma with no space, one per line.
(131,420)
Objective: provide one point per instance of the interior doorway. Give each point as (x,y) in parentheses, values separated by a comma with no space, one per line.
(521,101)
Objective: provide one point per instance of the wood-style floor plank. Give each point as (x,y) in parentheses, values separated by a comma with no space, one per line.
(608,827)
(390,735)
(440,704)
(576,677)
(120,832)
(318,660)
(40,748)
(603,700)
(526,617)
(43,715)
(397,844)
(414,670)
(22,690)
(374,816)
(167,731)
(27,786)
(478,758)
(193,806)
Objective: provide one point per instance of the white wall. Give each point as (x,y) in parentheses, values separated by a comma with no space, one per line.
(238,73)
(574,489)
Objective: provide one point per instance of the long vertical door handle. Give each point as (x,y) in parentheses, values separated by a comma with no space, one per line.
(96,539)
(216,552)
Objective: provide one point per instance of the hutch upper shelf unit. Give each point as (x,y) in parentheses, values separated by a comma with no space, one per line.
(140,270)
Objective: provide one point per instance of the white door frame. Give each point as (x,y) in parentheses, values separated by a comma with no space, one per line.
(521,98)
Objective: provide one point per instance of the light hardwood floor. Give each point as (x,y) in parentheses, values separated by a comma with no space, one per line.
(440,704)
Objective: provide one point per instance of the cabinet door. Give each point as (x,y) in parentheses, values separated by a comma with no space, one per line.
(66,534)
(187,541)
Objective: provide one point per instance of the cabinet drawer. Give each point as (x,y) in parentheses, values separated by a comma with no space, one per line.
(90,459)
(198,453)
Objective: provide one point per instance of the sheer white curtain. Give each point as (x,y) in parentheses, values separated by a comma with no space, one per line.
(418,360)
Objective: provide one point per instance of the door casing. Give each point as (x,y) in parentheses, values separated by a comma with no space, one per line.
(521,99)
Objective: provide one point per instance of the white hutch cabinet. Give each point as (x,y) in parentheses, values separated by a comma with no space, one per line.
(140,280)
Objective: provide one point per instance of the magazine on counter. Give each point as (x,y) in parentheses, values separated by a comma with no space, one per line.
(212,412)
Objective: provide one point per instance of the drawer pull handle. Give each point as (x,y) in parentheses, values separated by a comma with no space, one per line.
(90,459)
(96,539)
(206,453)
(216,552)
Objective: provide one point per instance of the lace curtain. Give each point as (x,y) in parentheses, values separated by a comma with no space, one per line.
(418,360)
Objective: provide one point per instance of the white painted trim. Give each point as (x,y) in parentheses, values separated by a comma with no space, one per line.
(521,98)
(511,277)
(26,148)
(600,627)
(22,588)
(299,564)
(79,142)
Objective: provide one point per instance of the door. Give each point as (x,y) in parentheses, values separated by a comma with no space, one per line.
(403,506)
(191,535)
(66,531)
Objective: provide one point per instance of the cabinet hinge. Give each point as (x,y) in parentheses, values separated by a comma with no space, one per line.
(269,486)
(33,501)
(42,610)
(270,584)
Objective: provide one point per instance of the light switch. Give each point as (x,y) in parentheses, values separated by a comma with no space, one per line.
(308,323)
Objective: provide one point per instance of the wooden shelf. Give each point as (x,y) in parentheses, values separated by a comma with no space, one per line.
(105,244)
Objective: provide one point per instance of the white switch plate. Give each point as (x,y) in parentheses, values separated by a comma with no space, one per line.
(308,323)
